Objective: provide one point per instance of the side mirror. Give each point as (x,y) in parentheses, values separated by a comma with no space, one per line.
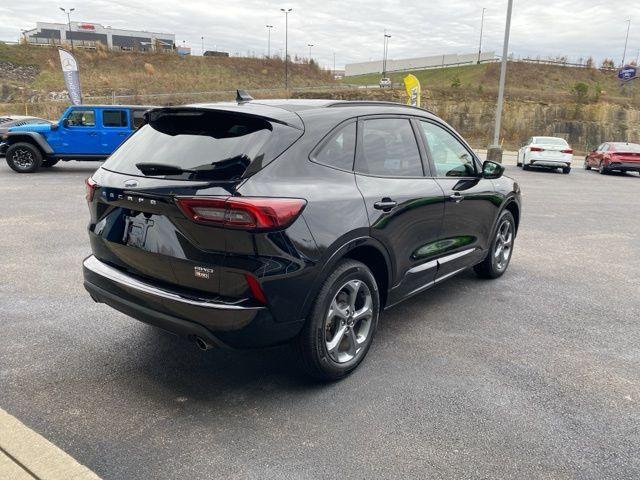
(65,122)
(492,169)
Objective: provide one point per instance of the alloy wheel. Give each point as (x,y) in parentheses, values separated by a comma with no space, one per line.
(503,245)
(23,158)
(348,321)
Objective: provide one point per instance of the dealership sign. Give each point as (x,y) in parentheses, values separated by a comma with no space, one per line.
(628,72)
(71,75)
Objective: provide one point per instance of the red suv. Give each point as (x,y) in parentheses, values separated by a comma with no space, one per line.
(624,157)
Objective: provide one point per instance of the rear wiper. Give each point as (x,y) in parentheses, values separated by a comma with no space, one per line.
(228,168)
(159,169)
(149,168)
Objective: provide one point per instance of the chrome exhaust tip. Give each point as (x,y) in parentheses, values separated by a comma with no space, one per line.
(203,344)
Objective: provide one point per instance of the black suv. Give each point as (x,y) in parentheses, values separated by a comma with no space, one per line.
(258,222)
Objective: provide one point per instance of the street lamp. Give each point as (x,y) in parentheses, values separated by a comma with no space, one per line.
(385,51)
(269,27)
(481,28)
(68,13)
(624,55)
(310,45)
(202,40)
(286,48)
(495,151)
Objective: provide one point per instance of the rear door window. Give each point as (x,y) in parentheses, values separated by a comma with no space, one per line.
(114,118)
(338,150)
(389,149)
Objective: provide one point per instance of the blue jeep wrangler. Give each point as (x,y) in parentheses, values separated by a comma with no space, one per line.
(84,132)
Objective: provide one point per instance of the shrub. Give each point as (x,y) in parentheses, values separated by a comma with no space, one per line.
(580,92)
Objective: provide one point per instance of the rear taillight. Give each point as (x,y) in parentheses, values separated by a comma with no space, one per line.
(248,213)
(91,186)
(567,150)
(536,149)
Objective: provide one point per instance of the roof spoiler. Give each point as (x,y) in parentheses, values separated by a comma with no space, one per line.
(242,96)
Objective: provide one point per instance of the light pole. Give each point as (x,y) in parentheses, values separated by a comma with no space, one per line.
(334,64)
(310,45)
(202,40)
(481,28)
(286,48)
(385,52)
(269,27)
(495,151)
(626,41)
(68,13)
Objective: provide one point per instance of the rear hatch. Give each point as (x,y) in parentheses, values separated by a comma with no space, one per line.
(139,222)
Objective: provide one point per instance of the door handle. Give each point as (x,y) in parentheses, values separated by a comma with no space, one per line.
(385,204)
(93,134)
(456,197)
(122,134)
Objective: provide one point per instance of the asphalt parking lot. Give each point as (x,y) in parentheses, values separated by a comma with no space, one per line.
(534,375)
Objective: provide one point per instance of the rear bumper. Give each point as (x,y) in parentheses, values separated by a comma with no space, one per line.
(550,163)
(625,166)
(239,324)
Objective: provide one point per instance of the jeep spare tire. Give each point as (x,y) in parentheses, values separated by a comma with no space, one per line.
(24,157)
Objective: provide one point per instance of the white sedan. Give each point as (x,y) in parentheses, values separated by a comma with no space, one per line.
(547,152)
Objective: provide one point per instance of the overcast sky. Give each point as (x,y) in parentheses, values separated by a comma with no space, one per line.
(354,29)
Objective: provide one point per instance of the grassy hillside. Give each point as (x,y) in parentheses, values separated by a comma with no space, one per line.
(103,72)
(524,81)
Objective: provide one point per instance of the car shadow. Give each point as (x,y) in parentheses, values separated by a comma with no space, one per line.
(174,364)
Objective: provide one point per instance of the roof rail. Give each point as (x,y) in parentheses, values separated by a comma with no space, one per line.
(354,103)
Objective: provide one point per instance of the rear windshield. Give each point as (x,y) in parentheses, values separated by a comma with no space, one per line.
(626,147)
(550,141)
(203,144)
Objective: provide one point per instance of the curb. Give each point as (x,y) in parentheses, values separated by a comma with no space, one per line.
(24,454)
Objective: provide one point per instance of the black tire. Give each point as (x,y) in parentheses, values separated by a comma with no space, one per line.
(24,157)
(489,267)
(586,166)
(525,166)
(566,170)
(602,169)
(50,162)
(312,342)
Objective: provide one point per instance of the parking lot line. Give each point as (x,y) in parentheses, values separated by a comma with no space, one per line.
(24,454)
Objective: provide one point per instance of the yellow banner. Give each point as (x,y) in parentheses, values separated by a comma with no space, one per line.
(412,84)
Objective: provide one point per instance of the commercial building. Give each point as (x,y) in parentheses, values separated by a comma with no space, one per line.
(419,63)
(88,35)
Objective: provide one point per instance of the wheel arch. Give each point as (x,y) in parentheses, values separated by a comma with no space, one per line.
(512,206)
(33,138)
(363,249)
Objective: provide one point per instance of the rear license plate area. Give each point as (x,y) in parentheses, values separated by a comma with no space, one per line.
(136,229)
